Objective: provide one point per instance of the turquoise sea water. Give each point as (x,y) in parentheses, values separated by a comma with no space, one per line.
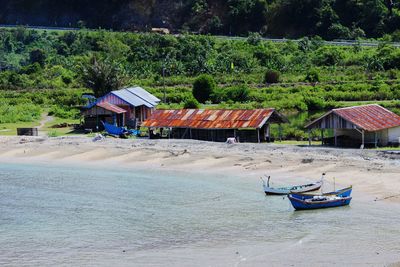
(80,216)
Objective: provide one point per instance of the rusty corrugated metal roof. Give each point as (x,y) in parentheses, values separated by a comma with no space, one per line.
(111,107)
(367,117)
(210,119)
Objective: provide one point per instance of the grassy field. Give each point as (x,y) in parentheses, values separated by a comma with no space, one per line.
(11,128)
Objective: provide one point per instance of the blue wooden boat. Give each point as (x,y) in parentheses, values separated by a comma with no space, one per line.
(345,192)
(114,130)
(119,131)
(287,190)
(319,202)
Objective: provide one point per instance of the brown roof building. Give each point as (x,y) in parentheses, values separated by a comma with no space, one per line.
(216,125)
(360,126)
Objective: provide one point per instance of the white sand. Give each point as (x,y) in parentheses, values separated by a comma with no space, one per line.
(375,175)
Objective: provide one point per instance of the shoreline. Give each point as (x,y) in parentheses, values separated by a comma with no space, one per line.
(373,174)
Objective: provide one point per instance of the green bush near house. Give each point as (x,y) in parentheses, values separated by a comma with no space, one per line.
(191,102)
(203,88)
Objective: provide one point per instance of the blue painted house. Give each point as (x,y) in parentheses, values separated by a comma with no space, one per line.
(126,107)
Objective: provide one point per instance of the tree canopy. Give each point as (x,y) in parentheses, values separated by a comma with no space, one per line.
(330,19)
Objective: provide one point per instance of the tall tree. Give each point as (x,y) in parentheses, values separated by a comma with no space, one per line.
(102,76)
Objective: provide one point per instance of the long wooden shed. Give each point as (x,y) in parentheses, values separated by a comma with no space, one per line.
(216,125)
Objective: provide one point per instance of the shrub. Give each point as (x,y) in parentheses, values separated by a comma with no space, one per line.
(392,74)
(239,93)
(32,68)
(373,63)
(314,103)
(191,102)
(63,112)
(312,76)
(254,38)
(11,113)
(203,88)
(392,61)
(271,76)
(37,56)
(270,58)
(328,56)
(396,36)
(337,30)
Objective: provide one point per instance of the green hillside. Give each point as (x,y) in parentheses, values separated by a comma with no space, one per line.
(49,70)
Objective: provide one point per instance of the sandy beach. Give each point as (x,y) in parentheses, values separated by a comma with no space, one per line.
(374,174)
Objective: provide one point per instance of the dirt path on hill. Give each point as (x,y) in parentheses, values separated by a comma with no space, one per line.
(45,119)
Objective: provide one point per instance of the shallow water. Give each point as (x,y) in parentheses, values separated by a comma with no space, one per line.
(77,216)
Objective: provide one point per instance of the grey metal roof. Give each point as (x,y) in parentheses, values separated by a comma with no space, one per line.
(140,92)
(137,96)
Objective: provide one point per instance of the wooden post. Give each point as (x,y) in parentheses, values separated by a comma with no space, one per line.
(280,132)
(322,136)
(184,133)
(149,132)
(190,133)
(309,137)
(258,135)
(376,139)
(335,133)
(363,139)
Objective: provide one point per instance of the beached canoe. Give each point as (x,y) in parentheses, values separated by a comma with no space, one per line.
(287,190)
(114,130)
(319,202)
(345,192)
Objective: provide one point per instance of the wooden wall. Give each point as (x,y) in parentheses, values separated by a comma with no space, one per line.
(244,136)
(332,121)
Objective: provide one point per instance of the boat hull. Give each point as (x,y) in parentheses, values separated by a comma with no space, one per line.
(300,204)
(294,189)
(345,192)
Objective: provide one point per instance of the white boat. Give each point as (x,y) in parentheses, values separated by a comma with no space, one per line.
(291,189)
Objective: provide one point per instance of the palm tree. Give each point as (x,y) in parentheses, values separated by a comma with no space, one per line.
(102,76)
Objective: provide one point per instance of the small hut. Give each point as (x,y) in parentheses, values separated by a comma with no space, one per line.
(126,107)
(358,126)
(216,125)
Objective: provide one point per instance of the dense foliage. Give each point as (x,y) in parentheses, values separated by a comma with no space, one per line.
(28,105)
(330,19)
(312,76)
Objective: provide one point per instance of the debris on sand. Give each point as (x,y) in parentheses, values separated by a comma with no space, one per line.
(308,160)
